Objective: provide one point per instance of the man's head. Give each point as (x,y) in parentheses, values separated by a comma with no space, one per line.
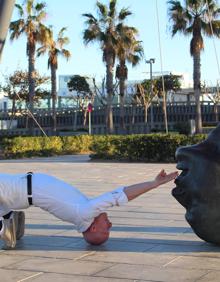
(99,230)
(198,186)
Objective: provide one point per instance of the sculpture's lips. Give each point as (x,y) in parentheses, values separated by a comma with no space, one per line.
(180,179)
(181,165)
(179,192)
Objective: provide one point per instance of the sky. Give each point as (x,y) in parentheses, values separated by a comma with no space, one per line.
(87,60)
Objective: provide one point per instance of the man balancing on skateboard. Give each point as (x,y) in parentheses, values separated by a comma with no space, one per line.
(20,191)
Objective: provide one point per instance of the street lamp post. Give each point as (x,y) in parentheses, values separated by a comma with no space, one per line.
(151,61)
(89,109)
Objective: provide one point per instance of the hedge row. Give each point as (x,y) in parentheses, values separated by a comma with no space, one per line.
(146,148)
(18,147)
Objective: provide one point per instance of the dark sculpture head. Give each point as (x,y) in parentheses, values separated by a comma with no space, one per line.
(198,186)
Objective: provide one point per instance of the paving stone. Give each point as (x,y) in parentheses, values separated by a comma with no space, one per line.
(151,273)
(15,275)
(7,259)
(139,258)
(51,277)
(62,266)
(187,250)
(194,262)
(212,276)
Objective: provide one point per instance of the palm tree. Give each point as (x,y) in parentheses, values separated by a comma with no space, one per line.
(55,49)
(103,30)
(30,24)
(130,50)
(196,18)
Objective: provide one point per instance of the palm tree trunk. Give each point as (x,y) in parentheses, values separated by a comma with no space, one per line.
(31,81)
(133,113)
(146,106)
(122,105)
(84,116)
(109,88)
(54,97)
(121,73)
(76,114)
(197,90)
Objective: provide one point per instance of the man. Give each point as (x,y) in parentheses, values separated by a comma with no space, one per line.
(64,201)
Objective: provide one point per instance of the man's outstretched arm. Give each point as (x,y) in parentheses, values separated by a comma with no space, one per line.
(135,190)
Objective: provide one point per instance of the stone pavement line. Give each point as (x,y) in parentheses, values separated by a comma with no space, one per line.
(175,259)
(32,276)
(84,256)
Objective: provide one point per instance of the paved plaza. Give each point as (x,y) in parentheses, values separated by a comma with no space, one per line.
(150,239)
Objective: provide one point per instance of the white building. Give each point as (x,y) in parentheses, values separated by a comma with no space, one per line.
(63,90)
(186,94)
(4,102)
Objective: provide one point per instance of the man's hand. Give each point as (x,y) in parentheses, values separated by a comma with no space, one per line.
(135,190)
(163,177)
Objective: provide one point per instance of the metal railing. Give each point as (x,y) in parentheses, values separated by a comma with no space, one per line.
(72,119)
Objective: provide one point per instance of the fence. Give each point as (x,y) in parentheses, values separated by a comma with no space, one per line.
(71,119)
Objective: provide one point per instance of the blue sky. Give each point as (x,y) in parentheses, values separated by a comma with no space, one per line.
(88,60)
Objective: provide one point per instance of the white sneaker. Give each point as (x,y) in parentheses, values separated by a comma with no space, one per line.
(8,234)
(13,229)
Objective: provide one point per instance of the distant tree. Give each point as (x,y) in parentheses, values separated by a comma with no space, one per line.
(165,84)
(130,50)
(16,87)
(103,30)
(83,95)
(30,23)
(171,82)
(55,49)
(143,95)
(195,17)
(215,98)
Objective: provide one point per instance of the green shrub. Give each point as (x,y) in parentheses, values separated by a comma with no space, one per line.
(151,147)
(76,144)
(144,147)
(182,127)
(31,146)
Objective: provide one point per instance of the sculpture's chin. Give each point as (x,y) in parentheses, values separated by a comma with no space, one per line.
(180,195)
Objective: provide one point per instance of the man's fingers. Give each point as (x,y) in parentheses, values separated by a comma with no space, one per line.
(164,177)
(162,172)
(173,175)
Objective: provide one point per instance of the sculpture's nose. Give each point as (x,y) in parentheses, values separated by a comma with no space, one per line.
(183,152)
